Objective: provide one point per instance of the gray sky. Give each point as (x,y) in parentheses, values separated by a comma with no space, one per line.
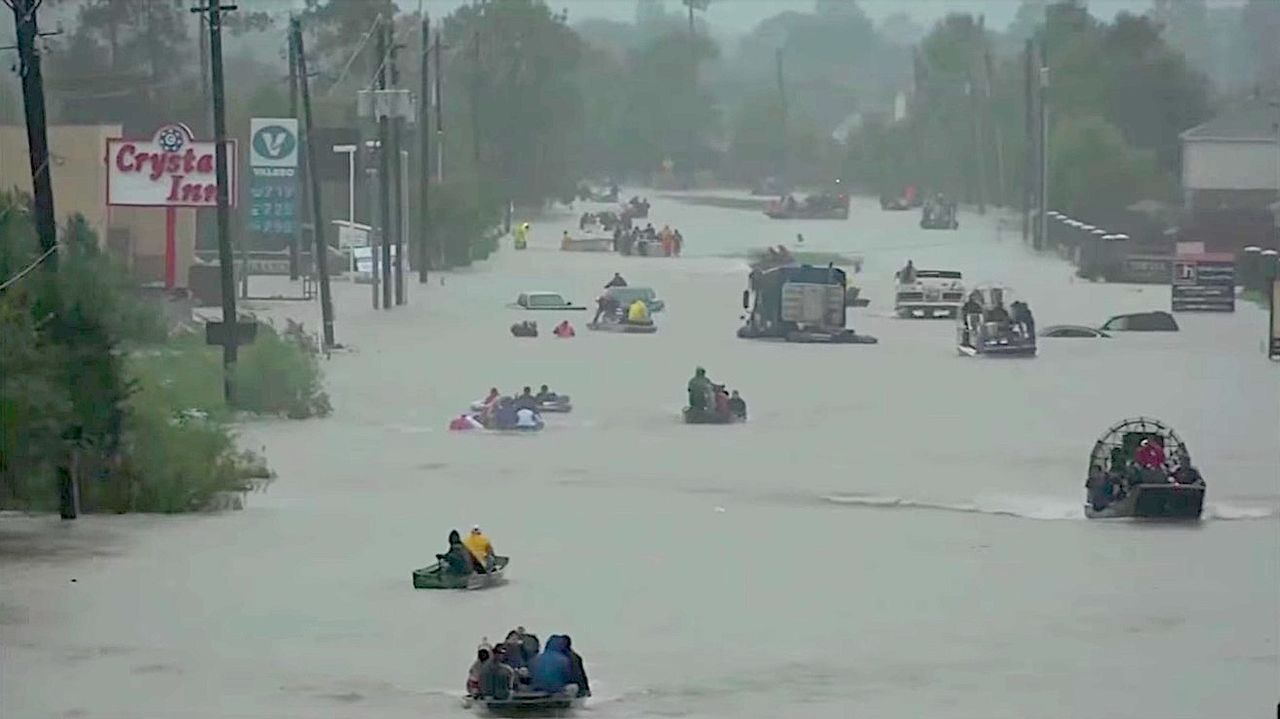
(738,16)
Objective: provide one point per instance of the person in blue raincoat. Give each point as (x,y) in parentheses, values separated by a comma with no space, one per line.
(552,669)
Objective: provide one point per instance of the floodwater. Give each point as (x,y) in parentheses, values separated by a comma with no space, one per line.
(897,531)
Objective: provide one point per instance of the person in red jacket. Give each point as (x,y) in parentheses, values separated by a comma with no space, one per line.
(1149,455)
(564,330)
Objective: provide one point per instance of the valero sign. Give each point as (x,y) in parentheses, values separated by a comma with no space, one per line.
(172,169)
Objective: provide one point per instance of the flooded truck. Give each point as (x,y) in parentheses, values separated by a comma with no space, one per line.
(798,303)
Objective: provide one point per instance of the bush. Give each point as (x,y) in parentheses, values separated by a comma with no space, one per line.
(171,464)
(280,374)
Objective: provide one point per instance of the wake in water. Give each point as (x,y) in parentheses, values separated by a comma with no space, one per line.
(1027,507)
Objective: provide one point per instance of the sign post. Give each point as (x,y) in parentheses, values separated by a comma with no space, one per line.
(1202,281)
(172,170)
(273,180)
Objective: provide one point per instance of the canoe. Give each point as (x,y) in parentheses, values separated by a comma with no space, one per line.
(430,577)
(529,704)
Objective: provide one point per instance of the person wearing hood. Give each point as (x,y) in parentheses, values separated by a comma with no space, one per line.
(513,651)
(458,559)
(616,281)
(495,678)
(483,658)
(522,236)
(577,671)
(738,405)
(480,547)
(907,275)
(699,388)
(505,416)
(552,670)
(526,400)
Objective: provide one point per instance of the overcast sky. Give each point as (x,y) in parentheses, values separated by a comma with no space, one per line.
(737,16)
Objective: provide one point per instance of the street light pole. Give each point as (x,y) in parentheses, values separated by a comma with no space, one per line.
(350,151)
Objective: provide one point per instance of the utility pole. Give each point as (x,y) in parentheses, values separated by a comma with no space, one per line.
(783,155)
(1043,235)
(424,153)
(384,166)
(1030,177)
(397,178)
(293,112)
(988,72)
(230,320)
(475,101)
(28,31)
(321,247)
(439,90)
(979,163)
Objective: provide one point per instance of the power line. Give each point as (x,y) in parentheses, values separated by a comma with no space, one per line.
(29,268)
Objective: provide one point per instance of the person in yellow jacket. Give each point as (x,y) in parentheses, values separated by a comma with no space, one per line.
(480,547)
(522,236)
(638,313)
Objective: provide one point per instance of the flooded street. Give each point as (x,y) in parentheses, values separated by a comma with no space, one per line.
(897,532)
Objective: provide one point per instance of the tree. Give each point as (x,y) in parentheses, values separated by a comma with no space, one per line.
(1261,22)
(518,64)
(668,113)
(1092,169)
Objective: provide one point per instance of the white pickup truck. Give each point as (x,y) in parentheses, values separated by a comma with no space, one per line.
(930,294)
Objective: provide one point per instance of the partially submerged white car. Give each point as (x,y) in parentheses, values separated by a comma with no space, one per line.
(931,294)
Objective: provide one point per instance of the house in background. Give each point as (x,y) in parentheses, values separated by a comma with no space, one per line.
(1232,162)
(1231,178)
(78,170)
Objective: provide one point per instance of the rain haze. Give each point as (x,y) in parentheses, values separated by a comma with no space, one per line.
(705,359)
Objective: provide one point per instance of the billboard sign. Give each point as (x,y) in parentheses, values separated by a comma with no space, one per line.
(273,180)
(273,142)
(1203,283)
(1275,319)
(171,169)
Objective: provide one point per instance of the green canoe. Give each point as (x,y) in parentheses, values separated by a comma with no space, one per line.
(432,578)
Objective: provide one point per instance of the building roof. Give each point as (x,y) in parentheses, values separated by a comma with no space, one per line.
(1255,120)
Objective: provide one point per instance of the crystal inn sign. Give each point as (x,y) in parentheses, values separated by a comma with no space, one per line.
(172,169)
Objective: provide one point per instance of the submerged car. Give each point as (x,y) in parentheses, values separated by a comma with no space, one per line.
(625,296)
(1142,322)
(1072,331)
(541,300)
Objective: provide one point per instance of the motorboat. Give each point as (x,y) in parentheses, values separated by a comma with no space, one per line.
(528,704)
(1122,483)
(939,215)
(708,416)
(613,324)
(431,577)
(822,206)
(993,333)
(930,294)
(587,243)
